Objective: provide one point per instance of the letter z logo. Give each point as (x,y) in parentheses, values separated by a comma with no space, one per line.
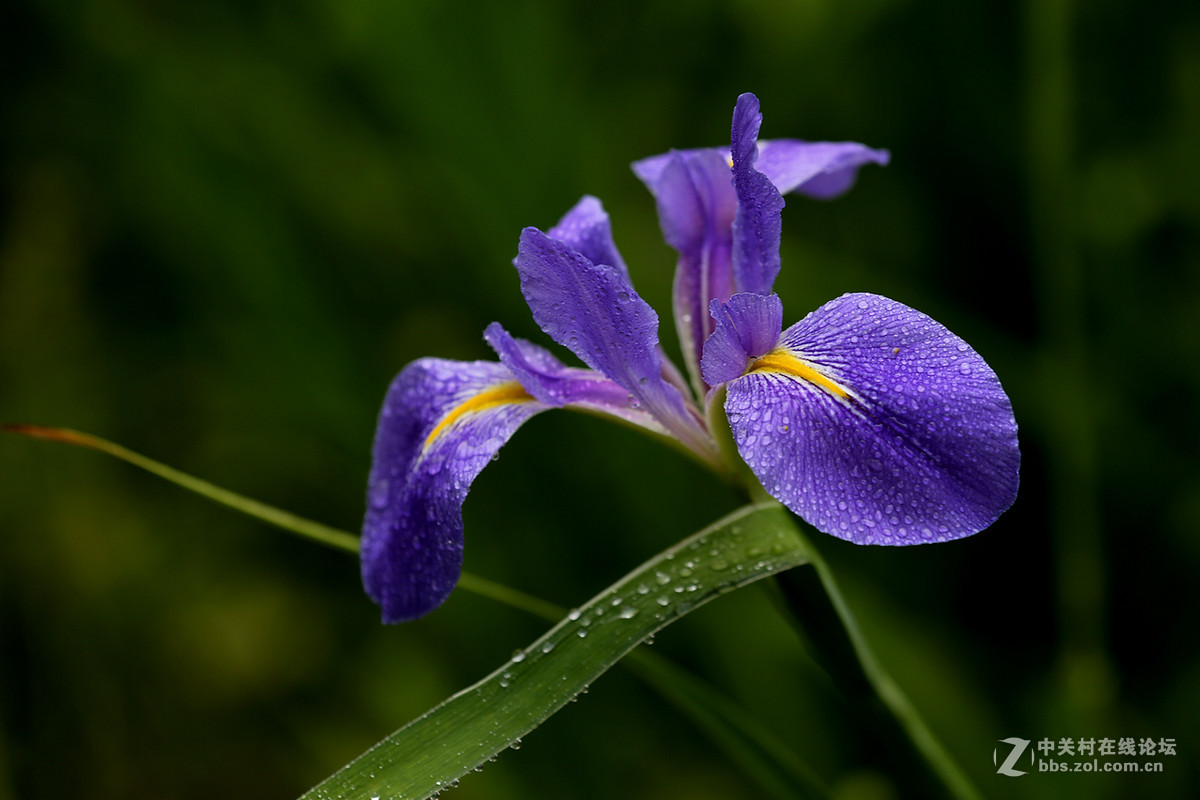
(1018,749)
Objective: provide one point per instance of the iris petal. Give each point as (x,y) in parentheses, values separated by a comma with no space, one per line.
(878,425)
(694,194)
(593,310)
(728,238)
(586,228)
(696,208)
(757,225)
(441,423)
(822,170)
(555,384)
(747,327)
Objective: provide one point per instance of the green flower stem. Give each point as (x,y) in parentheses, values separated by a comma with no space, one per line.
(814,605)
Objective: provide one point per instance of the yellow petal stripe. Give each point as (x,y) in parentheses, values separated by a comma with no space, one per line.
(782,361)
(508,392)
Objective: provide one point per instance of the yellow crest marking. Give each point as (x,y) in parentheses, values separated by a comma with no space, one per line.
(782,361)
(509,392)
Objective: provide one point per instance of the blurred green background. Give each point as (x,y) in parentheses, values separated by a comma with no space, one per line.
(225,226)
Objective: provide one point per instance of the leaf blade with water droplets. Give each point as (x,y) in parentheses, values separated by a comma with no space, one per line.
(474,725)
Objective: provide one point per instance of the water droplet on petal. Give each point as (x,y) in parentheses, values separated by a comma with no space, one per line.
(379,495)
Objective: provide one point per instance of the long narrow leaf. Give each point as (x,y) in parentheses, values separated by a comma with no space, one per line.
(436,749)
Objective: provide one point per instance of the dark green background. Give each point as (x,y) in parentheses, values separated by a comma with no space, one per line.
(225,226)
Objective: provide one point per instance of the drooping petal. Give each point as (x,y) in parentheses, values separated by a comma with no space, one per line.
(757,225)
(822,170)
(555,384)
(586,228)
(748,326)
(593,310)
(441,423)
(878,425)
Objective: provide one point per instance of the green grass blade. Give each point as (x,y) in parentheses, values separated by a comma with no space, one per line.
(275,516)
(435,750)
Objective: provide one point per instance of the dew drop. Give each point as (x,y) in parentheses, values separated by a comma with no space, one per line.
(379,495)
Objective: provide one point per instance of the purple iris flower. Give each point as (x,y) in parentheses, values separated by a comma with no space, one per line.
(867,418)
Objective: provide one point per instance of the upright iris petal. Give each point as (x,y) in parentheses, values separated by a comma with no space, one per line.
(876,424)
(698,203)
(757,226)
(586,228)
(441,423)
(593,310)
(696,208)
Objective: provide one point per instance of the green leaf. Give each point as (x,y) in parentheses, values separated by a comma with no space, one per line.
(275,516)
(435,750)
